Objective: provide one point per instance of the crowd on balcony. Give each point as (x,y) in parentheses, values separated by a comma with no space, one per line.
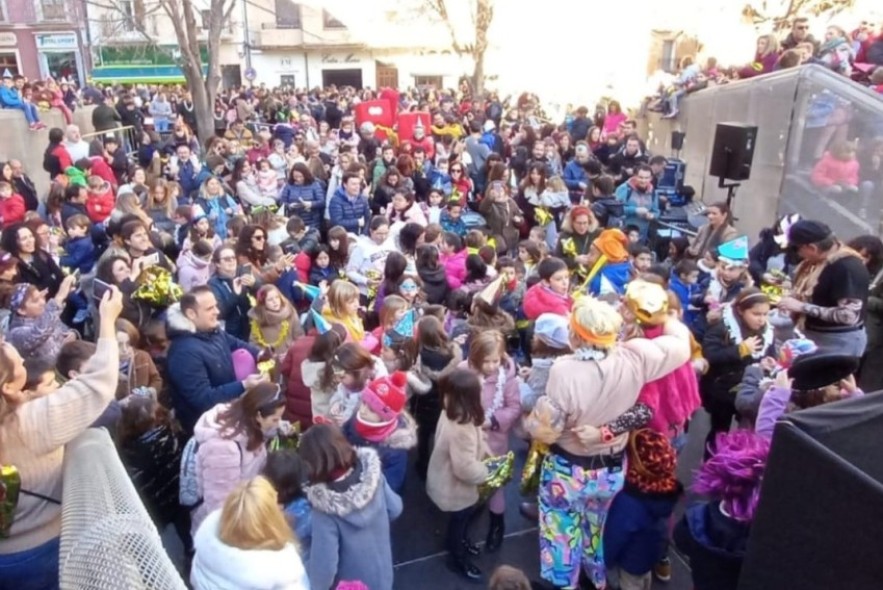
(272,319)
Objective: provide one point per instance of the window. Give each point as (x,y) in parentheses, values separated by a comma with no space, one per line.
(8,61)
(53,10)
(428,82)
(329,22)
(286,80)
(287,14)
(669,58)
(205,18)
(3,18)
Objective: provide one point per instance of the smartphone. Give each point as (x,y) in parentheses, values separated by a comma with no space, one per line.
(152,259)
(99,288)
(245,269)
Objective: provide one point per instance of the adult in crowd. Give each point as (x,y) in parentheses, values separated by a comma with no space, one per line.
(202,374)
(639,199)
(368,258)
(105,117)
(24,185)
(246,186)
(719,230)
(233,553)
(303,196)
(34,265)
(830,293)
(798,34)
(352,508)
(584,471)
(579,230)
(34,431)
(118,271)
(232,441)
(56,158)
(348,208)
(231,292)
(624,163)
(74,143)
(35,327)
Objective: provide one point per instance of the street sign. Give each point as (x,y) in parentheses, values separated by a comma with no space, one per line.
(250,74)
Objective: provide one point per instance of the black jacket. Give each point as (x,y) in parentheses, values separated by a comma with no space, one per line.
(725,365)
(715,544)
(105,117)
(42,272)
(25,187)
(435,285)
(153,462)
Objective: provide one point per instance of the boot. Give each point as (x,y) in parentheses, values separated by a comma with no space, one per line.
(495,532)
(462,565)
(471,548)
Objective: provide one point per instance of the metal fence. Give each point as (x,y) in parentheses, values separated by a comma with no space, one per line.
(127,137)
(108,541)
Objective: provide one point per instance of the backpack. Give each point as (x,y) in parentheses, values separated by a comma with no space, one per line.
(189,495)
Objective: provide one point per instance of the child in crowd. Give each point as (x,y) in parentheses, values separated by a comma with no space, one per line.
(80,252)
(343,308)
(101,200)
(138,372)
(529,254)
(551,294)
(354,367)
(714,534)
(838,170)
(436,356)
(501,401)
(288,474)
(433,207)
(456,468)
(684,283)
(12,205)
(40,378)
(274,322)
(641,259)
(194,265)
(501,213)
(392,311)
(321,270)
(507,577)
(381,423)
(317,371)
(150,446)
(451,219)
(453,258)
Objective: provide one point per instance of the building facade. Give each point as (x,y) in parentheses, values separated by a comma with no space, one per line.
(41,38)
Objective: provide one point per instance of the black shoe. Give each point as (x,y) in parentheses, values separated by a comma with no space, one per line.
(495,533)
(529,510)
(471,548)
(464,567)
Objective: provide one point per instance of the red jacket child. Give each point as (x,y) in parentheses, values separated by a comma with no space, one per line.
(12,207)
(101,168)
(540,299)
(836,171)
(100,202)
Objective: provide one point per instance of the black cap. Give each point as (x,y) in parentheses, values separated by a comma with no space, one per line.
(807,231)
(816,370)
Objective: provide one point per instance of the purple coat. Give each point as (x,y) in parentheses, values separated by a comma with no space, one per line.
(508,412)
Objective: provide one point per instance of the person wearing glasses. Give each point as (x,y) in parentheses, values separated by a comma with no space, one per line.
(232,441)
(799,34)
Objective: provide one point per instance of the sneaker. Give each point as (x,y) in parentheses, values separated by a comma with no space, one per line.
(33,127)
(662,570)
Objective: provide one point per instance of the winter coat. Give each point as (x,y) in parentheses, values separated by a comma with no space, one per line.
(193,271)
(100,205)
(201,374)
(715,544)
(351,532)
(620,162)
(455,467)
(435,285)
(430,366)
(831,171)
(270,328)
(688,295)
(540,299)
(726,366)
(12,209)
(455,226)
(393,451)
(503,219)
(218,566)
(455,268)
(509,409)
(871,375)
(347,212)
(141,372)
(750,393)
(233,308)
(636,532)
(574,174)
(320,399)
(80,254)
(222,461)
(297,194)
(298,404)
(153,462)
(762,64)
(327,274)
(42,272)
(631,198)
(613,274)
(41,337)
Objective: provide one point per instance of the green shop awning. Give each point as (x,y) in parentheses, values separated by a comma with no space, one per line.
(140,74)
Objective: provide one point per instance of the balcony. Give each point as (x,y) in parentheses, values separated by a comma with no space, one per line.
(37,11)
(277,35)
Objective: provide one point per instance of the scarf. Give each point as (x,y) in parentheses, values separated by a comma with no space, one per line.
(498,399)
(806,277)
(375,432)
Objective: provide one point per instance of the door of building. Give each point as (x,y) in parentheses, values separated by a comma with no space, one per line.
(231,76)
(387,76)
(340,78)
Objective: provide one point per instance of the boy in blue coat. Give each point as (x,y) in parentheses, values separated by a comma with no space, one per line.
(684,282)
(636,533)
(79,251)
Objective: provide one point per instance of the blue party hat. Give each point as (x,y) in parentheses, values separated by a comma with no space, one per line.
(734,252)
(403,328)
(311,291)
(322,325)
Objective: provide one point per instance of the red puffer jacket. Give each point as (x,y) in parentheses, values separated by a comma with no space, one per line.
(298,407)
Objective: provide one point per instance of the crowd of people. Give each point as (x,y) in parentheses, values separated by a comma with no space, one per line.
(272,320)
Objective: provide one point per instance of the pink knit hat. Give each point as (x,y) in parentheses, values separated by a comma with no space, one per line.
(386,396)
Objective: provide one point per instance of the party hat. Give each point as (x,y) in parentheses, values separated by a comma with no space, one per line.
(734,252)
(311,291)
(492,292)
(322,325)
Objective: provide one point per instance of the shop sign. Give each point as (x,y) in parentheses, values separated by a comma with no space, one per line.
(8,40)
(145,55)
(56,41)
(349,58)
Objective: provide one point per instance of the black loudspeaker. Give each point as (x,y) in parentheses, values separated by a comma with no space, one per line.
(821,504)
(677,140)
(733,151)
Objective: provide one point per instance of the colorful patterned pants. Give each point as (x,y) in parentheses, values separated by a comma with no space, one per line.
(573,503)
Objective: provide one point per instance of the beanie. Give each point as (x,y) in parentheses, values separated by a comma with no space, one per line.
(386,396)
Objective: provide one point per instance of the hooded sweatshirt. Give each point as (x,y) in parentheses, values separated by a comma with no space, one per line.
(192,271)
(351,537)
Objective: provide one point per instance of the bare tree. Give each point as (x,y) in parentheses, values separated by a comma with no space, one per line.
(780,13)
(474,43)
(185,20)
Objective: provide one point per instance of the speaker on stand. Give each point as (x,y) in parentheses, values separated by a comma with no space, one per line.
(732,155)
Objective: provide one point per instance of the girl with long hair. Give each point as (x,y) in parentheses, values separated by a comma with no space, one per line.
(274,321)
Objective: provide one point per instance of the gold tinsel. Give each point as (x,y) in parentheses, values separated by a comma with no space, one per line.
(533,466)
(500,471)
(544,217)
(774,292)
(157,287)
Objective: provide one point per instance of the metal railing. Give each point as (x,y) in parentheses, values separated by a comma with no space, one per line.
(127,136)
(107,538)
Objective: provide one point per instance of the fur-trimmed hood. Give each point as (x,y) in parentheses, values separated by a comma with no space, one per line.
(421,377)
(405,436)
(177,321)
(348,497)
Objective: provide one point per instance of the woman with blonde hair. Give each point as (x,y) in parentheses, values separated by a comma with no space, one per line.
(765,58)
(248,544)
(583,470)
